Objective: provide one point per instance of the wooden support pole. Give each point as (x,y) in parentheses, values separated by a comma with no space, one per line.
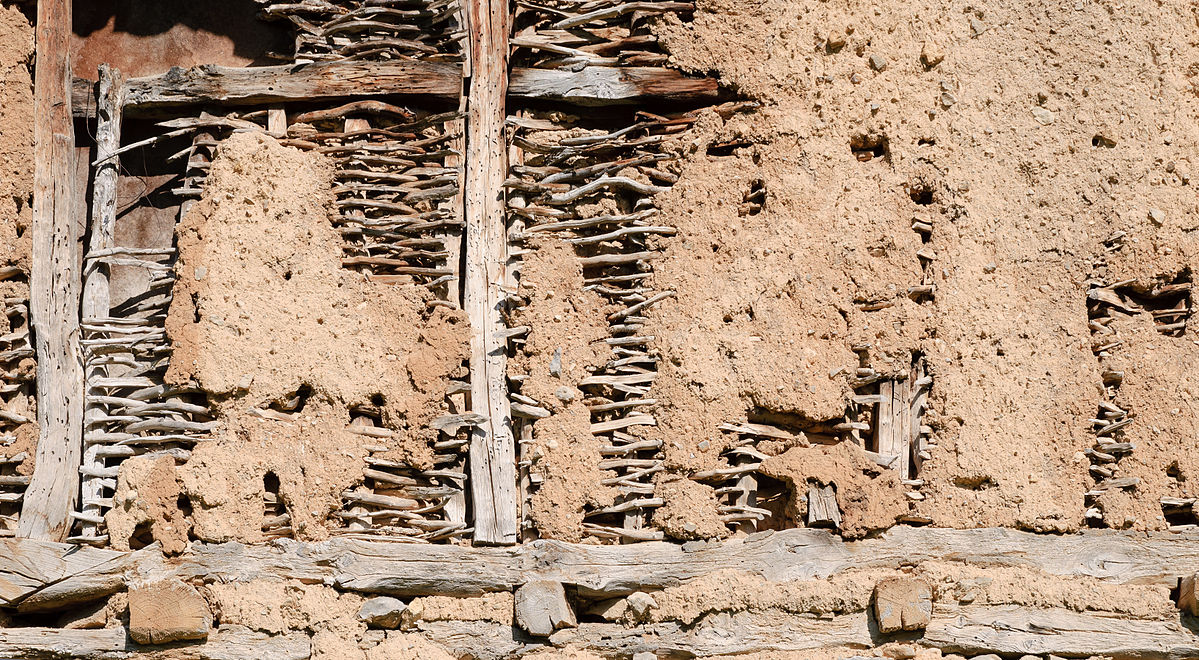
(492,447)
(55,285)
(96,303)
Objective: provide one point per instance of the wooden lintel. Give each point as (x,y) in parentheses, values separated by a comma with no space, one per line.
(55,285)
(107,643)
(492,445)
(43,576)
(326,81)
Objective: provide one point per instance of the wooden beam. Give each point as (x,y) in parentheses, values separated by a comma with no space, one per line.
(600,85)
(96,303)
(110,643)
(40,575)
(1006,630)
(218,85)
(55,285)
(1012,630)
(327,81)
(492,446)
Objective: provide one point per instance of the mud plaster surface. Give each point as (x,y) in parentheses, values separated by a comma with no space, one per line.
(1001,121)
(569,322)
(16,198)
(952,583)
(263,312)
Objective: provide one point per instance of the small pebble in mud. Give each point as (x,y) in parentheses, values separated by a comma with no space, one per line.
(878,62)
(977,26)
(1157,217)
(1044,117)
(564,394)
(930,55)
(835,41)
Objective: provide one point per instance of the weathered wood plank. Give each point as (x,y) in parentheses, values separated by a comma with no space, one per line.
(228,643)
(596,571)
(1006,630)
(492,446)
(95,303)
(55,285)
(594,86)
(27,565)
(599,85)
(1022,631)
(209,84)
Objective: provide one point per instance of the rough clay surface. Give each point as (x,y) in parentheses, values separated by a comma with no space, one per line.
(16,197)
(148,492)
(1035,132)
(952,583)
(868,495)
(262,314)
(568,322)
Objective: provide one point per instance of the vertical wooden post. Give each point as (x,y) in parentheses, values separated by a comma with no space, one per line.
(492,451)
(96,302)
(55,285)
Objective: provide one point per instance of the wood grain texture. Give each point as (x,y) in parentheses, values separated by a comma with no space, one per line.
(55,285)
(209,84)
(599,85)
(492,446)
(42,576)
(214,85)
(95,303)
(1020,631)
(228,643)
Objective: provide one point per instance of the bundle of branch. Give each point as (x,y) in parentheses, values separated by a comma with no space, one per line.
(17,408)
(129,408)
(340,30)
(1111,420)
(563,178)
(552,34)
(397,182)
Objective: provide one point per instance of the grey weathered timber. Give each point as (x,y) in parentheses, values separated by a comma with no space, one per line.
(600,85)
(1021,631)
(492,445)
(38,575)
(327,81)
(1007,630)
(228,643)
(218,85)
(96,303)
(55,285)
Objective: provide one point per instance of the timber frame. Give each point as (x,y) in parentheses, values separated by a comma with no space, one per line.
(39,574)
(42,576)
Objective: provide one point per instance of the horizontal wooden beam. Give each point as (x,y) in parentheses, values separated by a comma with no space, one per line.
(598,85)
(328,81)
(39,576)
(975,630)
(108,643)
(971,630)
